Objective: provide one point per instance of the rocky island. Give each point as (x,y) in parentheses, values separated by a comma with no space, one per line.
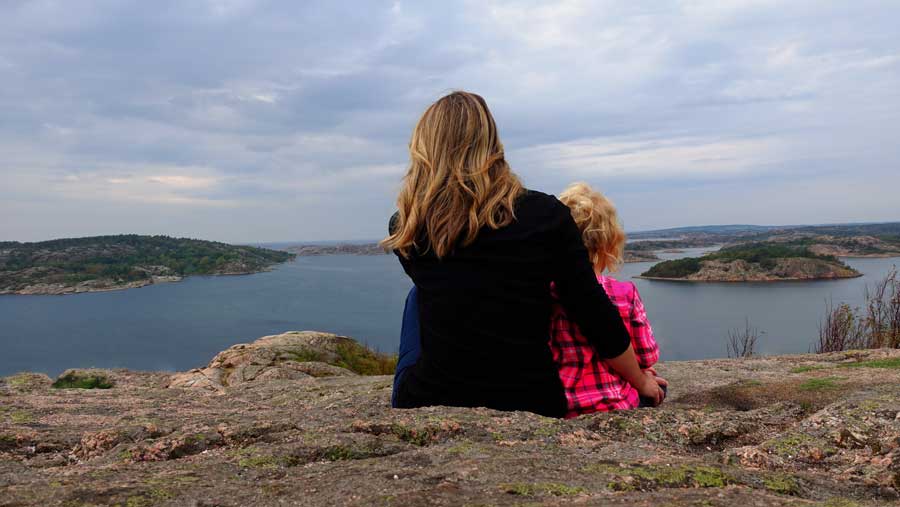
(100,263)
(753,262)
(298,419)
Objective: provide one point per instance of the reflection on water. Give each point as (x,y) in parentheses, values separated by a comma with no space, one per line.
(182,325)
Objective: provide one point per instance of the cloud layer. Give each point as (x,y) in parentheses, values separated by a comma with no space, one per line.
(245,120)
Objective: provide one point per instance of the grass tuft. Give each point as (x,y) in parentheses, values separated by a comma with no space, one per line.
(820,384)
(892,364)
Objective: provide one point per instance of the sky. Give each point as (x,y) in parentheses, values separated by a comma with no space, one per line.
(276,120)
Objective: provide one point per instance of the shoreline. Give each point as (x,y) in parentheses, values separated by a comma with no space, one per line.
(138,284)
(769,280)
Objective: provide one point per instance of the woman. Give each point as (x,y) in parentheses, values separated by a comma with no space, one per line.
(482,252)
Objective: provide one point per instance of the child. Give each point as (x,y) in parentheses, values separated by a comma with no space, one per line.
(590,385)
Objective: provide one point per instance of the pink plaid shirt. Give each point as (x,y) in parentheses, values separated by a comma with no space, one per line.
(589,383)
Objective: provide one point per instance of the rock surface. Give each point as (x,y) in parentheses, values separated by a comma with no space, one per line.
(294,355)
(792,430)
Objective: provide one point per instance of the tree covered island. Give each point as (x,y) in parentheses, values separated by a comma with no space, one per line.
(754,262)
(99,263)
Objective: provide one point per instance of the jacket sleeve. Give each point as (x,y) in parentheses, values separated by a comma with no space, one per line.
(581,295)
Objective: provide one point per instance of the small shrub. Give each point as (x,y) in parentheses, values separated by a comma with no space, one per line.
(75,380)
(841,329)
(365,361)
(844,328)
(742,342)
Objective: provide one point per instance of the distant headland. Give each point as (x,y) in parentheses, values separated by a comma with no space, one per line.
(102,263)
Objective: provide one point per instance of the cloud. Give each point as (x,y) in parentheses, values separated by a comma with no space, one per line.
(246,120)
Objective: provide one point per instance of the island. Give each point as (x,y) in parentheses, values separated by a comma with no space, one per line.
(754,262)
(642,252)
(102,263)
(336,249)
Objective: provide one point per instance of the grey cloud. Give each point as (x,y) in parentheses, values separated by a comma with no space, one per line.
(299,113)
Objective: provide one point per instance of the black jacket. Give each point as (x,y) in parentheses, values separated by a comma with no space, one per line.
(484,313)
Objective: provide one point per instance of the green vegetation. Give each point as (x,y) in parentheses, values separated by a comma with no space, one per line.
(820,384)
(765,254)
(782,483)
(75,380)
(892,363)
(807,368)
(365,361)
(352,356)
(649,477)
(678,268)
(546,488)
(125,258)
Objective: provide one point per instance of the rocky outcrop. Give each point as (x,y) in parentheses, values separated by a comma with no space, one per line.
(290,356)
(791,430)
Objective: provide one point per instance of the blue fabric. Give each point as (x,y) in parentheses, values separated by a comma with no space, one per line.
(410,340)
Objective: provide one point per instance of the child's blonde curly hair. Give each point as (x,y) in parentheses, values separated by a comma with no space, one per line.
(599,223)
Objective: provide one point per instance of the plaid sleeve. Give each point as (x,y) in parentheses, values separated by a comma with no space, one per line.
(645,347)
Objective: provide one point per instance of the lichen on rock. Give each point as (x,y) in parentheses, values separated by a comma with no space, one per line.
(283,429)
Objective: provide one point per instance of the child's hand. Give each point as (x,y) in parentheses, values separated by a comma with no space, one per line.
(650,388)
(659,380)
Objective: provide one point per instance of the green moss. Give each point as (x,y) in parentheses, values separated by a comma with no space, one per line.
(790,445)
(260,462)
(74,380)
(421,436)
(341,453)
(892,363)
(8,442)
(804,369)
(548,429)
(21,417)
(782,484)
(820,384)
(464,447)
(648,477)
(711,477)
(542,488)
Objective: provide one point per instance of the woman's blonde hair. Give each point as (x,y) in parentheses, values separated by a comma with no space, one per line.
(458,180)
(599,223)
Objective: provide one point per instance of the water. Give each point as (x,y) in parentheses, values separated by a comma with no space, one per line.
(182,325)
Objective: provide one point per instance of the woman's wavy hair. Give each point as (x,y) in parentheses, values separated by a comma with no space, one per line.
(458,180)
(599,223)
